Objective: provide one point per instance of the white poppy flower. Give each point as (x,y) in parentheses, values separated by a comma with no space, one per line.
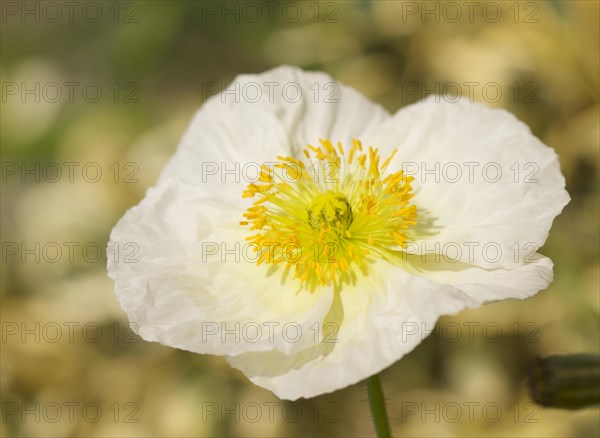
(360,248)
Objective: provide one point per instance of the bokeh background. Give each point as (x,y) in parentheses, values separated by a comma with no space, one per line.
(70,365)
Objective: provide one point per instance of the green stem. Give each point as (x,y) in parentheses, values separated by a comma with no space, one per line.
(378,409)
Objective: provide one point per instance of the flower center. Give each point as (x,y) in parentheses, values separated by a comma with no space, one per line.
(326,216)
(330,209)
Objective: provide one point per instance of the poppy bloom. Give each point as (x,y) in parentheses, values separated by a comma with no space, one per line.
(314,239)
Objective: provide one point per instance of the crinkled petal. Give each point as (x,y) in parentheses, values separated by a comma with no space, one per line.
(384,317)
(259,117)
(483,182)
(188,281)
(483,284)
(380,319)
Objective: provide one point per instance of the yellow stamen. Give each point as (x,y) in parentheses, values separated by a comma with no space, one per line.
(325,224)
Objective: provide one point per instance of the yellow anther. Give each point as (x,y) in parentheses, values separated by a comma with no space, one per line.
(323,216)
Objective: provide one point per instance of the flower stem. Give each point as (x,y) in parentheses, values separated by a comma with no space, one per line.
(378,409)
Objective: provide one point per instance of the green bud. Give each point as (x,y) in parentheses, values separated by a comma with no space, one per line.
(569,382)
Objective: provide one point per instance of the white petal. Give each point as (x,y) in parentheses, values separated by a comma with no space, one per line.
(382,318)
(469,209)
(258,118)
(484,285)
(181,288)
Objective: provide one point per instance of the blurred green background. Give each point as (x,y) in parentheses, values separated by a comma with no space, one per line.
(70,366)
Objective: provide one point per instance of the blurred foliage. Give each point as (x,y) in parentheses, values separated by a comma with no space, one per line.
(159,54)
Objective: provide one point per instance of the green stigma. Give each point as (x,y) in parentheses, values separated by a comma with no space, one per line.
(331,210)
